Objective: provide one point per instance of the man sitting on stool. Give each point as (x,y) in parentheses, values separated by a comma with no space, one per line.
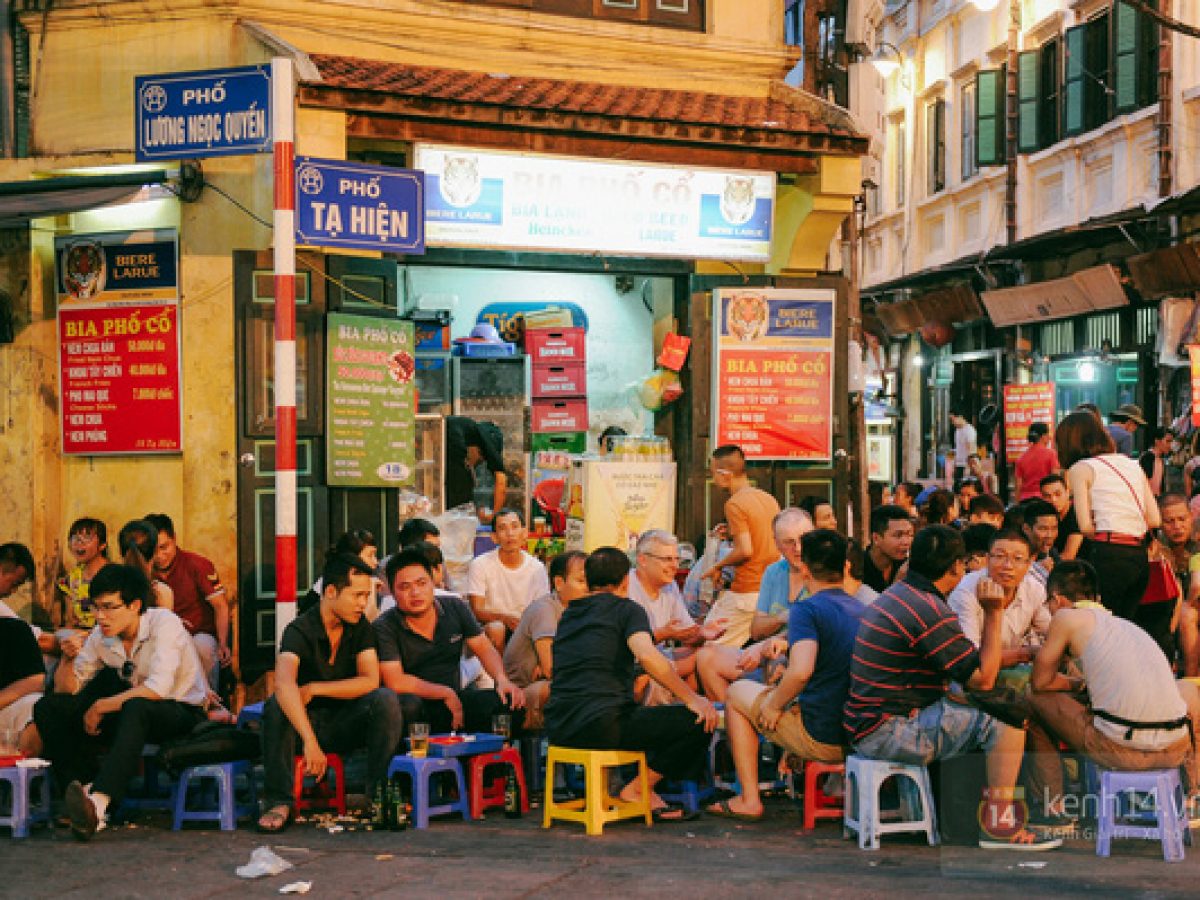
(821,633)
(137,680)
(327,691)
(591,694)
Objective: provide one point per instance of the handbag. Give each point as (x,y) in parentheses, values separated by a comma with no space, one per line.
(1162,586)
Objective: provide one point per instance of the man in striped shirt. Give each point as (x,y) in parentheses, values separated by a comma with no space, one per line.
(909,649)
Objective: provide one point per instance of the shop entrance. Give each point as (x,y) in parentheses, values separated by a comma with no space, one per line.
(365,286)
(974,388)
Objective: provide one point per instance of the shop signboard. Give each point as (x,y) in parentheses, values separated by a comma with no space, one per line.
(1025,404)
(346,204)
(371,404)
(220,112)
(117,267)
(540,202)
(1194,357)
(773,372)
(119,378)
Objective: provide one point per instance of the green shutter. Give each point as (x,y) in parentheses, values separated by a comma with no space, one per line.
(1125,57)
(1073,81)
(989,117)
(1028,94)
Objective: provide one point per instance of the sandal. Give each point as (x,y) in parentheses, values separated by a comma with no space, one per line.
(273,821)
(725,811)
(1023,840)
(674,812)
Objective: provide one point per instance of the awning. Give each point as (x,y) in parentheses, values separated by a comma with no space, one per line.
(1171,270)
(786,131)
(21,201)
(949,305)
(1086,291)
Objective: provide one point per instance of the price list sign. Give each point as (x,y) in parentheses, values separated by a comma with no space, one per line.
(1025,404)
(119,378)
(773,366)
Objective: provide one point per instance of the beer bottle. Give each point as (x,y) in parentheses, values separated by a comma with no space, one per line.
(379,807)
(512,795)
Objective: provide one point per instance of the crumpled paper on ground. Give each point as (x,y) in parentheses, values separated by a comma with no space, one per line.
(296,887)
(263,861)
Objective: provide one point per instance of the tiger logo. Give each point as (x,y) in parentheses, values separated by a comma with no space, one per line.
(747,317)
(737,199)
(460,184)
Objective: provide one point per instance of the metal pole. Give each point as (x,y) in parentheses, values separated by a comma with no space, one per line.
(283,126)
(1012,115)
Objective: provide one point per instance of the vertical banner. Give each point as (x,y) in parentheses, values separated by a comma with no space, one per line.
(1025,404)
(1194,355)
(371,402)
(773,372)
(118,342)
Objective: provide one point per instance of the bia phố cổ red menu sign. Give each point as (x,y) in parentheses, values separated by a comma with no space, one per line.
(119,378)
(773,372)
(1025,404)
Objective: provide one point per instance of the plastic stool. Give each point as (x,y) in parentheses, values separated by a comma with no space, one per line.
(493,795)
(818,804)
(420,770)
(1170,815)
(325,797)
(250,714)
(23,811)
(688,794)
(864,778)
(228,809)
(154,794)
(597,806)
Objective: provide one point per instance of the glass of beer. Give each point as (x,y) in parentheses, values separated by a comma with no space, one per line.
(502,725)
(418,739)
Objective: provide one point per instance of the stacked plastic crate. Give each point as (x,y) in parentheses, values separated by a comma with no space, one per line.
(559,415)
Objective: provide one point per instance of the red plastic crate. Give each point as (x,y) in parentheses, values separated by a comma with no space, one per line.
(560,415)
(547,346)
(567,380)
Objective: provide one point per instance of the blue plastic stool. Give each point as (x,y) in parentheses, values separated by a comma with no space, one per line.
(153,794)
(420,771)
(251,714)
(689,794)
(23,811)
(1170,817)
(228,809)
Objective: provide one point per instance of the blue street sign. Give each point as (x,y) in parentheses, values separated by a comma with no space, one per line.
(345,204)
(185,115)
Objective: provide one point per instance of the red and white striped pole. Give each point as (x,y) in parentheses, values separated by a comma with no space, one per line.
(283,127)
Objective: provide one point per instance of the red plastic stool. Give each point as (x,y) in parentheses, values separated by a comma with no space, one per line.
(818,804)
(322,795)
(493,795)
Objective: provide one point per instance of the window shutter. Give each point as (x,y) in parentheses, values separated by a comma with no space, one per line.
(939,159)
(1028,93)
(1073,80)
(989,117)
(1125,57)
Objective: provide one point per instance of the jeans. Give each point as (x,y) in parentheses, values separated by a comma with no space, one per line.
(675,744)
(940,731)
(73,752)
(1122,573)
(372,721)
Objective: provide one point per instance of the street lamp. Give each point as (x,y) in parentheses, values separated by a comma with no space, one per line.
(885,62)
(985,5)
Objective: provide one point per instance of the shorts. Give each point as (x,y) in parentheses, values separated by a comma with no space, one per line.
(738,612)
(789,732)
(19,713)
(940,731)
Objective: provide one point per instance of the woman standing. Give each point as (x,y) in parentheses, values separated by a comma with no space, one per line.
(1114,507)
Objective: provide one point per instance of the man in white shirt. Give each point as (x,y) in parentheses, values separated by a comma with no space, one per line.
(1026,616)
(137,680)
(501,583)
(965,444)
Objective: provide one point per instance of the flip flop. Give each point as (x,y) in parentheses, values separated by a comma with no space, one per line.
(274,829)
(674,812)
(1025,839)
(724,810)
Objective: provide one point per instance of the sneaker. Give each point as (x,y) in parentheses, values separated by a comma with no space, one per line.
(82,812)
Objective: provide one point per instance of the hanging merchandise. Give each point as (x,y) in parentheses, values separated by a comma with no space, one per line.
(660,388)
(674,351)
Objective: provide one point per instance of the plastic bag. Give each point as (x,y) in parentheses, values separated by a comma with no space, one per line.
(263,861)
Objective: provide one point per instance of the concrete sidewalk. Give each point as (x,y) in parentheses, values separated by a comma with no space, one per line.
(500,858)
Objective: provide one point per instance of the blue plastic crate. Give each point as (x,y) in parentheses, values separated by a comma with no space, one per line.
(485,351)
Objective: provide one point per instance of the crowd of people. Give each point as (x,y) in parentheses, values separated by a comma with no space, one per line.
(1082,593)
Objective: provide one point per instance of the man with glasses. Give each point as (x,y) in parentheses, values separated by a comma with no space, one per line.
(1026,617)
(137,680)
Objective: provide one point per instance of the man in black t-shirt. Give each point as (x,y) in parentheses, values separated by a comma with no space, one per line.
(327,691)
(1055,492)
(421,643)
(22,677)
(599,639)
(891,536)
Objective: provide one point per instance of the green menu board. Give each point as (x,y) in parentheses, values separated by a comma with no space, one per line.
(371,403)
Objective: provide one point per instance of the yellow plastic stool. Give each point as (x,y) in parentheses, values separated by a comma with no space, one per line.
(597,806)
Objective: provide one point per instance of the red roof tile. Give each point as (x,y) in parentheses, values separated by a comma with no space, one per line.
(787,111)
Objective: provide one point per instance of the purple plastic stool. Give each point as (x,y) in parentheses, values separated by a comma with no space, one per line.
(29,805)
(1170,815)
(228,808)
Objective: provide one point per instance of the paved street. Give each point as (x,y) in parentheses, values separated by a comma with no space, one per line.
(500,858)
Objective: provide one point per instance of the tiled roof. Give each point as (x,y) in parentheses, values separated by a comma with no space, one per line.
(787,111)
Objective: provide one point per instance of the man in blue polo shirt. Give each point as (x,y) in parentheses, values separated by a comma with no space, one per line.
(803,713)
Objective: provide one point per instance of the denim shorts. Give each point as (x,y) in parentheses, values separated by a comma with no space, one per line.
(940,731)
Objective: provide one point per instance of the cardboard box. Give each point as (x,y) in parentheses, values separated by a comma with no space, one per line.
(613,503)
(551,346)
(559,415)
(566,380)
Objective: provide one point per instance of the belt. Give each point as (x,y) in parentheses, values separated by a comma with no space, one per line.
(1113,537)
(1183,721)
